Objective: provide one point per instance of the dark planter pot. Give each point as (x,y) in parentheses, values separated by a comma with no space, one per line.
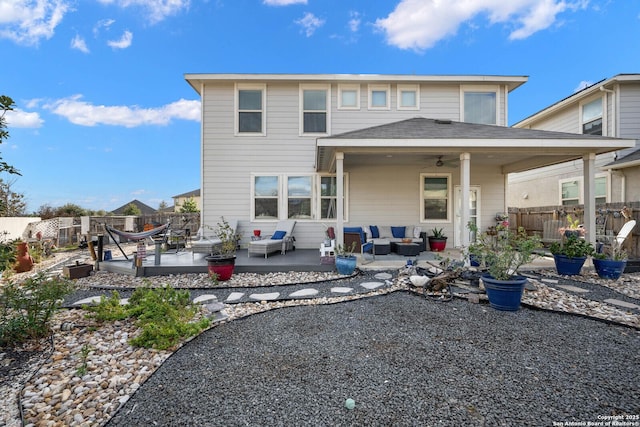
(346,264)
(568,266)
(221,266)
(569,233)
(609,268)
(474,261)
(437,244)
(504,295)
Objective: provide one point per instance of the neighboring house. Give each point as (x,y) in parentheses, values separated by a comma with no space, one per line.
(336,150)
(610,107)
(179,200)
(144,209)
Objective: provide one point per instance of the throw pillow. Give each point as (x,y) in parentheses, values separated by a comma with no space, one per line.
(278,235)
(397,231)
(375,233)
(416,232)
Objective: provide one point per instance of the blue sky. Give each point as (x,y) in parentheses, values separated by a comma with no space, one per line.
(104,115)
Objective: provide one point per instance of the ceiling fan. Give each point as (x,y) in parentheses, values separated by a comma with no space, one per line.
(448,163)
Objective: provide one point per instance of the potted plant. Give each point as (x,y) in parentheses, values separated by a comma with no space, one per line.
(24,262)
(501,257)
(222,261)
(573,228)
(437,240)
(610,265)
(570,254)
(345,259)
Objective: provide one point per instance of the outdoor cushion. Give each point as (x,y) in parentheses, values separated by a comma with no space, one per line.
(278,235)
(397,231)
(359,230)
(375,233)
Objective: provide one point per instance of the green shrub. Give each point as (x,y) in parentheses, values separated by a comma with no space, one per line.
(26,308)
(165,316)
(7,255)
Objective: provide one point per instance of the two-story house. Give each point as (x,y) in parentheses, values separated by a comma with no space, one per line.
(610,107)
(336,150)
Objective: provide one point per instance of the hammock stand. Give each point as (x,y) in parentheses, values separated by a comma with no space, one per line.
(134,236)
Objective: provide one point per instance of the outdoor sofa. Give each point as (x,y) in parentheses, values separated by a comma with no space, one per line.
(385,236)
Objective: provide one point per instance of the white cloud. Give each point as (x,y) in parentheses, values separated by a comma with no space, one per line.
(17,118)
(310,23)
(157,10)
(283,2)
(85,114)
(354,22)
(26,22)
(103,23)
(123,43)
(78,43)
(420,24)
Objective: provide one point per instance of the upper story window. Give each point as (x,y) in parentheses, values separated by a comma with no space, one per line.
(348,97)
(480,106)
(408,97)
(572,192)
(315,109)
(250,107)
(592,117)
(379,97)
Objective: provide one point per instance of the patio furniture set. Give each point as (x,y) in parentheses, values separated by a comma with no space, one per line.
(383,240)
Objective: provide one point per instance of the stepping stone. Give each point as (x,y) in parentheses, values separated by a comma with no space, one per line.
(234,296)
(88,301)
(383,276)
(574,289)
(205,298)
(215,307)
(218,316)
(304,293)
(265,297)
(371,285)
(341,290)
(622,303)
(548,280)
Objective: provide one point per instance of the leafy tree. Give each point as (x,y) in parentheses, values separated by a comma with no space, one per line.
(162,205)
(70,209)
(46,211)
(11,203)
(189,206)
(6,104)
(132,209)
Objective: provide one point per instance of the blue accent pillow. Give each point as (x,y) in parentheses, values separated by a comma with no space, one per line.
(397,231)
(359,230)
(278,235)
(375,233)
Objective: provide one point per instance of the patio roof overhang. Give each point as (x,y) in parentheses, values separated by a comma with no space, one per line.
(420,140)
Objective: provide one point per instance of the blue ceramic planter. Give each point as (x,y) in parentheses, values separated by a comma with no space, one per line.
(346,265)
(504,295)
(608,268)
(568,266)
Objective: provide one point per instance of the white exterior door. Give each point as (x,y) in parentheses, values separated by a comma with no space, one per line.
(474,213)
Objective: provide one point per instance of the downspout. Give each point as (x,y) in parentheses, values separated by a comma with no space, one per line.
(202,198)
(614,119)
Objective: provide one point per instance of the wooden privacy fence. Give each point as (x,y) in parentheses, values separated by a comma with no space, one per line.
(609,220)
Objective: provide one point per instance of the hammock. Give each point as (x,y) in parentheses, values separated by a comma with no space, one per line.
(134,236)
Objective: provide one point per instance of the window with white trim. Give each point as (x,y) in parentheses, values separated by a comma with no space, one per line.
(250,109)
(328,195)
(435,195)
(408,97)
(379,97)
(592,117)
(314,115)
(572,190)
(266,190)
(480,106)
(348,97)
(299,196)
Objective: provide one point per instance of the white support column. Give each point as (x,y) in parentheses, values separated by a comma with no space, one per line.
(589,166)
(465,187)
(340,198)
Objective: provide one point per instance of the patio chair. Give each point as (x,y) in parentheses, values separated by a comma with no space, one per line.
(207,243)
(358,236)
(550,232)
(281,240)
(625,231)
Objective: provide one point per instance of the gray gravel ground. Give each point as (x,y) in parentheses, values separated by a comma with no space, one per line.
(406,361)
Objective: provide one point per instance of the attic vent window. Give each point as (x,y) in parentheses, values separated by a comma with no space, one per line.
(443,121)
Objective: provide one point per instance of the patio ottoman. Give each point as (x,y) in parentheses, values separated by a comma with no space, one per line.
(407,249)
(381,246)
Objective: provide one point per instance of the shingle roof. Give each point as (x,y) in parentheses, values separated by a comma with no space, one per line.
(423,128)
(193,193)
(145,209)
(631,157)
